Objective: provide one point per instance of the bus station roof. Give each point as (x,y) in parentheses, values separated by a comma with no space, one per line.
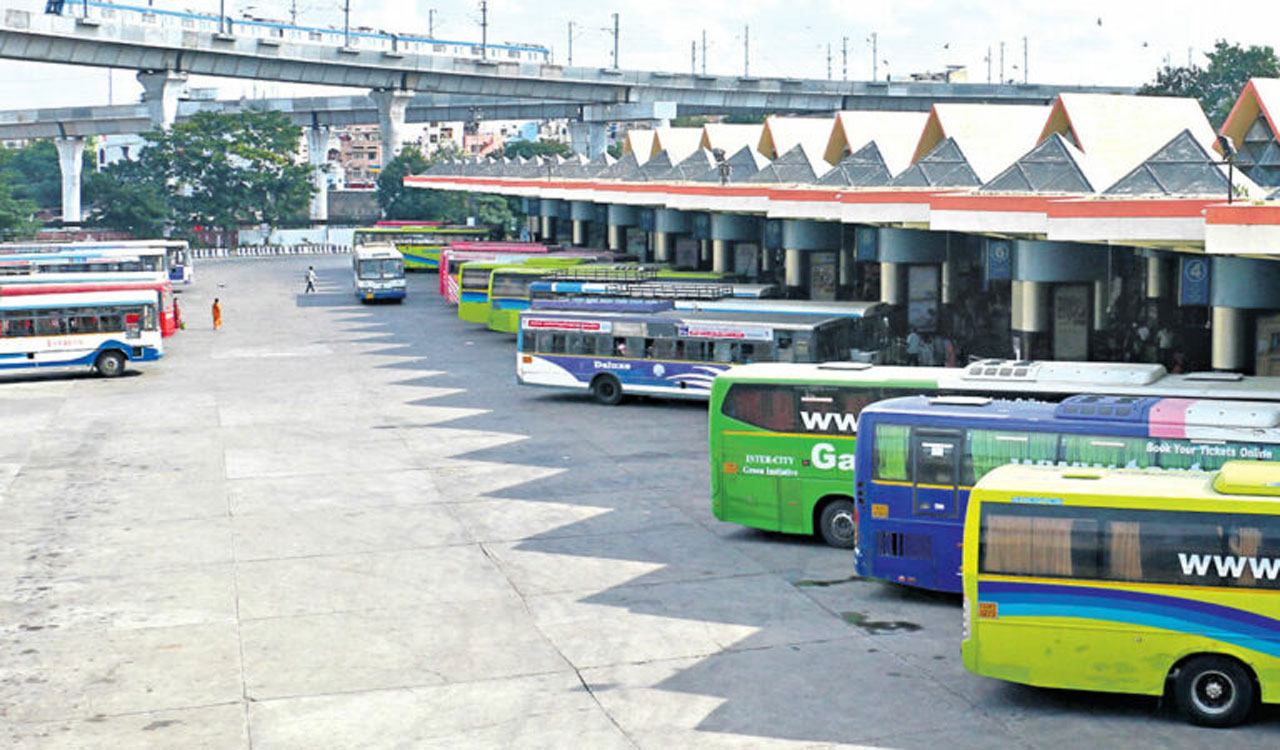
(894,133)
(677,142)
(991,136)
(731,137)
(781,134)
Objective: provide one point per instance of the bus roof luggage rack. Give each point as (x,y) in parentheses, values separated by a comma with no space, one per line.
(1216,377)
(673,291)
(1083,374)
(604,273)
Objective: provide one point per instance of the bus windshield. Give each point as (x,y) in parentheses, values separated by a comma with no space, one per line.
(390,268)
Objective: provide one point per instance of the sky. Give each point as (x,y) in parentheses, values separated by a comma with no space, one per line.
(1097,42)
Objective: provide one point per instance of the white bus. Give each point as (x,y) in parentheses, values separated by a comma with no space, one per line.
(177,252)
(378,271)
(102,330)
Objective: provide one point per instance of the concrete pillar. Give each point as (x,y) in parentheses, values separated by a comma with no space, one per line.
(704,254)
(318,156)
(1156,276)
(1030,307)
(588,138)
(161,89)
(848,268)
(793,268)
(892,282)
(580,212)
(663,244)
(579,233)
(1229,338)
(1100,294)
(722,256)
(617,238)
(71,163)
(391,104)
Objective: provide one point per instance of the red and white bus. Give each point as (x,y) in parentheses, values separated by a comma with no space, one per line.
(170,315)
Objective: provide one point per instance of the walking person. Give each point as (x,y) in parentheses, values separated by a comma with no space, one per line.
(217,314)
(311,280)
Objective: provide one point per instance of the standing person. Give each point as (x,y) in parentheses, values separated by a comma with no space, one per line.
(311,280)
(217,314)
(914,344)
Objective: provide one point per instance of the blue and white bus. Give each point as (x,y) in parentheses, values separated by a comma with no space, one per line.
(88,263)
(378,272)
(649,349)
(102,330)
(177,252)
(917,458)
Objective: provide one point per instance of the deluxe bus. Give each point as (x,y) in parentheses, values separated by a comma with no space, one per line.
(786,411)
(611,352)
(170,315)
(102,330)
(420,244)
(1147,583)
(378,272)
(919,457)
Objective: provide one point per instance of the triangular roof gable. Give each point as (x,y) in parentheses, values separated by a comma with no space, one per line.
(657,166)
(792,168)
(730,137)
(1053,166)
(677,142)
(992,135)
(742,165)
(638,141)
(694,166)
(1182,167)
(864,167)
(1260,97)
(945,166)
(895,133)
(782,134)
(628,164)
(1117,131)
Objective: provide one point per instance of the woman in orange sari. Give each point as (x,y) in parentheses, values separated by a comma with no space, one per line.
(217,315)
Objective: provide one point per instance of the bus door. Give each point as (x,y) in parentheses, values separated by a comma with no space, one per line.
(937,462)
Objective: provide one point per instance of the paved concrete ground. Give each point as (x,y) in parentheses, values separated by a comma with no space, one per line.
(336,526)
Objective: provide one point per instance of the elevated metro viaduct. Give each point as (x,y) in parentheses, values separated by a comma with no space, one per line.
(127,37)
(1124,271)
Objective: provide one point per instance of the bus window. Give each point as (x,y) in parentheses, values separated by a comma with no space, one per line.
(772,407)
(890,452)
(757,353)
(664,348)
(620,347)
(988,449)
(1038,542)
(603,345)
(785,351)
(680,351)
(1108,450)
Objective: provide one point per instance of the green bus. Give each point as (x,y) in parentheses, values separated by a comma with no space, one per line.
(420,244)
(1128,581)
(782,436)
(475,280)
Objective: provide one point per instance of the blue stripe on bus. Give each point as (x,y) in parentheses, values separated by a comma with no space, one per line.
(149,354)
(1178,614)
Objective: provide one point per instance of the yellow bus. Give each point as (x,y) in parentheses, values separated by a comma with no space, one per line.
(1128,581)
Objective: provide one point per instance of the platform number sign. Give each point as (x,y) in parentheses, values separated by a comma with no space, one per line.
(1195,278)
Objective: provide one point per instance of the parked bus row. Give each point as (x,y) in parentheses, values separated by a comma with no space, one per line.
(93,304)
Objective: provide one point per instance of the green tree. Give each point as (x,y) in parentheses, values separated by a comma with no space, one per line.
(400,203)
(1217,85)
(615,150)
(33,173)
(530,149)
(15,214)
(128,195)
(689,122)
(226,170)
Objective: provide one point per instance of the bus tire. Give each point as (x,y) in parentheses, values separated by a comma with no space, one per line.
(109,364)
(1214,691)
(837,524)
(606,389)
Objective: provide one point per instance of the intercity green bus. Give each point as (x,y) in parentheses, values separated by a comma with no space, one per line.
(1128,581)
(782,436)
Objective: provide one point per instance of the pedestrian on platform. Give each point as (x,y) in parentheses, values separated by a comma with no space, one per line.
(914,346)
(217,314)
(311,280)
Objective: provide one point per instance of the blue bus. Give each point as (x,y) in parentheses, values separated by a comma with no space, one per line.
(917,458)
(648,349)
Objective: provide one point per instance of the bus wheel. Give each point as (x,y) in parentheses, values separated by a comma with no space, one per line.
(109,364)
(837,524)
(1214,691)
(606,389)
